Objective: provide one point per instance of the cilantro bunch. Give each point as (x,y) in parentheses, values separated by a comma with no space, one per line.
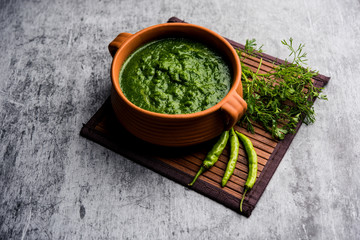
(279,99)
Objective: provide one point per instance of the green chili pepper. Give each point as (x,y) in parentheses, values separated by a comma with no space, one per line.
(234,154)
(252,160)
(213,155)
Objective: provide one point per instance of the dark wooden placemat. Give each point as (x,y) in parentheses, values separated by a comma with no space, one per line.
(181,164)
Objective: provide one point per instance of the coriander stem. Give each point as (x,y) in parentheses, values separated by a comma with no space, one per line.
(246,79)
(257,71)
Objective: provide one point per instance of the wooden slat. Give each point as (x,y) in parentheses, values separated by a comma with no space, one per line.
(209,177)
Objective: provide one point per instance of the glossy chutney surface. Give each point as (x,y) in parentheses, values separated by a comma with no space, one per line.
(175,76)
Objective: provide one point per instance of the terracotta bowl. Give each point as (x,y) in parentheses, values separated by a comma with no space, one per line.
(176,129)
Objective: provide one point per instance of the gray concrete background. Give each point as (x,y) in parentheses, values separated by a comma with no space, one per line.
(54,68)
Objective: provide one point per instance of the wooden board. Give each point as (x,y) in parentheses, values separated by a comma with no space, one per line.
(181,164)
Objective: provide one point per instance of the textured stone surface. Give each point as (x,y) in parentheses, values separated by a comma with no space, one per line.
(55,184)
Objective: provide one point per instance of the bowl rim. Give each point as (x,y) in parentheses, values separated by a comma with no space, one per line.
(236,76)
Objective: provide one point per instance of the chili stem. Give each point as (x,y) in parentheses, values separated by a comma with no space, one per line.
(242,199)
(201,170)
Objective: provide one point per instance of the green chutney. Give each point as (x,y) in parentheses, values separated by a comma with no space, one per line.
(175,76)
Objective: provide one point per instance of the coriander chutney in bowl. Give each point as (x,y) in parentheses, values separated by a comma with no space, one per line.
(175,84)
(175,76)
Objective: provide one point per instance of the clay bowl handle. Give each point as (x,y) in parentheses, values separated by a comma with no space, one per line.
(235,107)
(117,42)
